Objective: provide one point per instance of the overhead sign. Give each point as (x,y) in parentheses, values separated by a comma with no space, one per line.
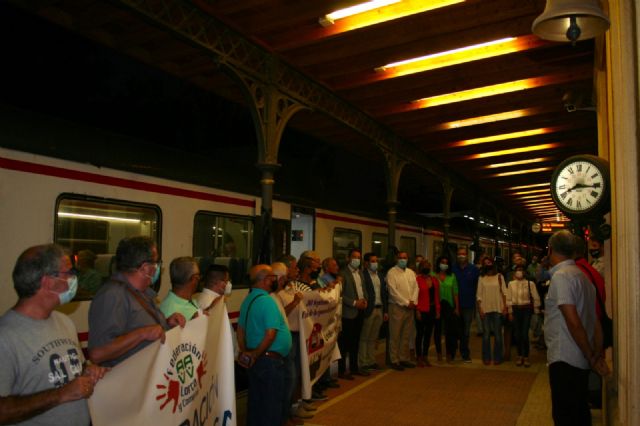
(549,227)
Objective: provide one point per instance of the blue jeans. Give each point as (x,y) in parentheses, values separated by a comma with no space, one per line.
(266,392)
(492,323)
(467,316)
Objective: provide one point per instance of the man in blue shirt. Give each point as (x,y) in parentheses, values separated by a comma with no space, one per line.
(264,340)
(467,275)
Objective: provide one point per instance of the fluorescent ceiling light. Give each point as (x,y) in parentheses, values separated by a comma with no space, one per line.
(512,151)
(533,197)
(377,11)
(461,55)
(518,163)
(501,137)
(476,93)
(492,118)
(533,191)
(522,172)
(97,217)
(533,185)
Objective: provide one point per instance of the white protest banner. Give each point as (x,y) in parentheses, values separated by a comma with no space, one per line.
(187,381)
(319,327)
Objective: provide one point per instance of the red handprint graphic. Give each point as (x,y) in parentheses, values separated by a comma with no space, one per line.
(173,393)
(201,370)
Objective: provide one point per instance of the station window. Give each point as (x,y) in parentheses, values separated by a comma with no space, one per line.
(91,229)
(224,240)
(408,245)
(380,244)
(343,241)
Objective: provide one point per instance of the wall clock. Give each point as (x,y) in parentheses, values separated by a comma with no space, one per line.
(580,186)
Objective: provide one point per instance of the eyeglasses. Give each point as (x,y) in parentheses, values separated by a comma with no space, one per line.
(69,273)
(157,264)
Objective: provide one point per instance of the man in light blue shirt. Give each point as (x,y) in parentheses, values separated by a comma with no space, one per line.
(572,334)
(185,276)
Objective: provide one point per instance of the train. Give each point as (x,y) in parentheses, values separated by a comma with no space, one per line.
(89,209)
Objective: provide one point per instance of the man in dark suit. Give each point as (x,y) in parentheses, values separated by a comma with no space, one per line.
(354,303)
(375,313)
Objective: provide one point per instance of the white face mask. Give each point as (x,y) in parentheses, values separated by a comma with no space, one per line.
(373,267)
(444,266)
(227,288)
(355,263)
(68,295)
(519,275)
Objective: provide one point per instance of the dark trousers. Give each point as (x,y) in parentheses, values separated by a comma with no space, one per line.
(467,317)
(451,328)
(569,395)
(349,342)
(521,324)
(266,392)
(424,328)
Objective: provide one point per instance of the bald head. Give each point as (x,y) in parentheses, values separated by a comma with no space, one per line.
(261,276)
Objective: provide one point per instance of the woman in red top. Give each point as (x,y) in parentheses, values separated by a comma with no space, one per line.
(427,313)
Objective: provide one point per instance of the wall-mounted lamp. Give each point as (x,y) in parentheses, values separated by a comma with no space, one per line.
(571,20)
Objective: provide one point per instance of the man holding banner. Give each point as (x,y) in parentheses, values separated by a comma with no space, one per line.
(264,340)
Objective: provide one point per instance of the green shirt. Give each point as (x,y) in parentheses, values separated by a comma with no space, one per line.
(448,288)
(173,303)
(258,317)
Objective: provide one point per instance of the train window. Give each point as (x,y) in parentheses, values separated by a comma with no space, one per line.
(408,245)
(224,240)
(343,241)
(92,228)
(379,244)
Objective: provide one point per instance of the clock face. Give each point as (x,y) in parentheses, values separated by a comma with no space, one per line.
(579,186)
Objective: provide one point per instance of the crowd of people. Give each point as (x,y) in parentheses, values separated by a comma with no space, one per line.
(416,301)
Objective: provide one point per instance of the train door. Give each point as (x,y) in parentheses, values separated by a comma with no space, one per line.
(302,230)
(281,240)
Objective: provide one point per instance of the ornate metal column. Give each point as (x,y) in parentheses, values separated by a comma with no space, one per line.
(447,189)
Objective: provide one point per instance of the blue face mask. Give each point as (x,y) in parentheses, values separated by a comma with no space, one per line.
(373,267)
(156,275)
(68,295)
(355,263)
(402,263)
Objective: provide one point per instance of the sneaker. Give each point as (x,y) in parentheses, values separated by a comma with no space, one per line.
(497,362)
(407,364)
(467,360)
(373,367)
(519,362)
(308,406)
(526,363)
(318,396)
(486,362)
(397,367)
(301,413)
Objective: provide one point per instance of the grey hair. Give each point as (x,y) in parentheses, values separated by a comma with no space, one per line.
(181,270)
(563,243)
(33,264)
(133,252)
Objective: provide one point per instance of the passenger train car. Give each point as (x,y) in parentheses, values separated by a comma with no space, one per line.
(90,209)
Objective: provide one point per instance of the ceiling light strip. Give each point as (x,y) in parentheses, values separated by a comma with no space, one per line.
(511,151)
(518,163)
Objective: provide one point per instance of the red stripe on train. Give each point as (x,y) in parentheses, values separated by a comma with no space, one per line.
(24,166)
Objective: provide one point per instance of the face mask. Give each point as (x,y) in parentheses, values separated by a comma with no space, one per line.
(227,288)
(314,275)
(425,271)
(156,275)
(69,294)
(274,285)
(373,267)
(594,253)
(444,266)
(519,275)
(402,263)
(355,263)
(488,267)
